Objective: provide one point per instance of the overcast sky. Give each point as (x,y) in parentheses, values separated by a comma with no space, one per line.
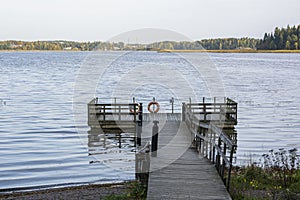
(90,20)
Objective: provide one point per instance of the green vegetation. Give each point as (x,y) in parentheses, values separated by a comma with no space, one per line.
(229,51)
(282,39)
(229,43)
(275,177)
(59,45)
(136,191)
(285,38)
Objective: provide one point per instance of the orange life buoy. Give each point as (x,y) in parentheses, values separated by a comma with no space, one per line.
(153,103)
(131,109)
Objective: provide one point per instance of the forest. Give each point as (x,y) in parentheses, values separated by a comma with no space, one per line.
(282,39)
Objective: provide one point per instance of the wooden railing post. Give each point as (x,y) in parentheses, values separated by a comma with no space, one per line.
(139,125)
(230,167)
(119,113)
(104,113)
(183,112)
(223,160)
(218,156)
(204,111)
(200,139)
(154,143)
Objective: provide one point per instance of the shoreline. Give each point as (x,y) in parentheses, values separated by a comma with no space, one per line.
(228,51)
(169,51)
(85,192)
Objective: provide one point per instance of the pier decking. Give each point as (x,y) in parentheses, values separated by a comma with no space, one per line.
(189,177)
(194,153)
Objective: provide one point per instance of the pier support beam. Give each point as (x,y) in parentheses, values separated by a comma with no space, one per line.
(154,143)
(139,125)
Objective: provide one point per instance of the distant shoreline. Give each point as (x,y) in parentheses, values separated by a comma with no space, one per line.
(173,51)
(228,51)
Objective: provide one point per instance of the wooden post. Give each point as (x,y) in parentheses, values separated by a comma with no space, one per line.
(196,143)
(119,113)
(104,113)
(154,143)
(199,139)
(215,104)
(183,112)
(204,111)
(230,167)
(142,165)
(172,105)
(223,161)
(214,154)
(206,143)
(218,156)
(115,98)
(135,123)
(139,125)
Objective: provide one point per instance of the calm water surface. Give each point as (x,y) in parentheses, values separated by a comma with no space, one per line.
(39,143)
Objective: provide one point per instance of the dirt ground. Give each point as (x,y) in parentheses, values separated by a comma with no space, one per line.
(86,192)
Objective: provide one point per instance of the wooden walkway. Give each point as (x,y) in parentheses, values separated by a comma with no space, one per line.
(178,171)
(188,177)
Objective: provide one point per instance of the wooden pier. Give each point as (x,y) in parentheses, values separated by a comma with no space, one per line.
(195,165)
(189,177)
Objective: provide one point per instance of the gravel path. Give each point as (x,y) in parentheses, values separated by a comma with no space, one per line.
(87,192)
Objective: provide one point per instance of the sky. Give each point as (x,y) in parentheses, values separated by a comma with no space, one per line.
(100,20)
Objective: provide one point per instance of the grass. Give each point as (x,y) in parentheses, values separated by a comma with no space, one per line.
(276,176)
(135,191)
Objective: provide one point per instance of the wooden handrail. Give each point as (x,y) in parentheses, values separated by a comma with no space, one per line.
(114,117)
(210,140)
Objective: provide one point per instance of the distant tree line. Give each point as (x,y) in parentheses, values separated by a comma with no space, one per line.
(209,44)
(284,38)
(56,45)
(229,43)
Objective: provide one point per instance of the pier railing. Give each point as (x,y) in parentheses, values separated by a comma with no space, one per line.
(206,122)
(113,117)
(208,138)
(219,111)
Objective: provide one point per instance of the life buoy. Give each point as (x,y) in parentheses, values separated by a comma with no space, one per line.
(153,103)
(131,109)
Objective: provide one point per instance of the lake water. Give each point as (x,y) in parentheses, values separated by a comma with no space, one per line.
(42,145)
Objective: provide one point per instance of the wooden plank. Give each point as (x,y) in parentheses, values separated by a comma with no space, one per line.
(189,177)
(162,116)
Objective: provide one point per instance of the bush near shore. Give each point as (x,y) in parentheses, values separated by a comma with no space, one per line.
(276,177)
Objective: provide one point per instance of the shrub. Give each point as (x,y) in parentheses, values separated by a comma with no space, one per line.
(276,176)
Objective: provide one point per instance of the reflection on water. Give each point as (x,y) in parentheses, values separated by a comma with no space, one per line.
(111,148)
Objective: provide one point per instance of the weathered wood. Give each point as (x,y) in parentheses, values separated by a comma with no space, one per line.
(113,118)
(189,177)
(213,143)
(178,172)
(223,112)
(149,117)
